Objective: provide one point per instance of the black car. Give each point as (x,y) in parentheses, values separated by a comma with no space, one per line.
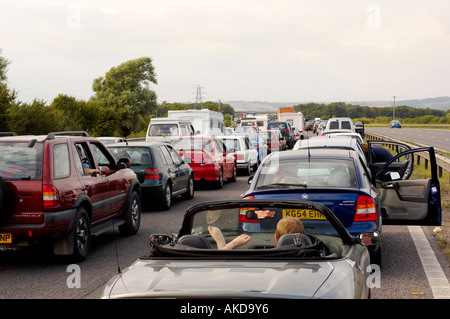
(160,170)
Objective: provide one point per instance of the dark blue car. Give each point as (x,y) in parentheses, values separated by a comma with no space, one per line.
(340,180)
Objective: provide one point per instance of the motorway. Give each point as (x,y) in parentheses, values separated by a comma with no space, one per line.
(36,274)
(438,138)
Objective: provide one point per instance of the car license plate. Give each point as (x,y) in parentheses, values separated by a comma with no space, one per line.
(5,239)
(303,214)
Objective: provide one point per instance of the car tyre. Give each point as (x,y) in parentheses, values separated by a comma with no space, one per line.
(190,189)
(166,200)
(132,216)
(81,235)
(219,183)
(234,177)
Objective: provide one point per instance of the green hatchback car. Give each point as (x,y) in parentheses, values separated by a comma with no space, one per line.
(161,171)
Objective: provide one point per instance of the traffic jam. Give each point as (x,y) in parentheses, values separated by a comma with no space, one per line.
(308,226)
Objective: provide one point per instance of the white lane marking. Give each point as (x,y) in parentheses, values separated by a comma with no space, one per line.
(436,276)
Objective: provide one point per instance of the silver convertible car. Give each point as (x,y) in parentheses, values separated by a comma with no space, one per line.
(322,260)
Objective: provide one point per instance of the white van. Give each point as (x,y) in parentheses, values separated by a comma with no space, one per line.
(205,122)
(162,129)
(340,123)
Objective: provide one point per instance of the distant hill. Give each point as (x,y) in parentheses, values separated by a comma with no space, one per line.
(437,103)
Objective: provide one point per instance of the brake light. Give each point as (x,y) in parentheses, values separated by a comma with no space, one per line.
(152,173)
(249,197)
(243,216)
(240,157)
(366,209)
(50,196)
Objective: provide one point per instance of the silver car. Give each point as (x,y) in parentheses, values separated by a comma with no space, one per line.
(323,261)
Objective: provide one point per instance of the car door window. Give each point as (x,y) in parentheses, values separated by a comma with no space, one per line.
(83,158)
(166,155)
(61,161)
(102,156)
(176,158)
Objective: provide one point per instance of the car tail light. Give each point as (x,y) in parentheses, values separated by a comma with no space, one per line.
(243,216)
(249,197)
(152,173)
(366,209)
(50,196)
(240,157)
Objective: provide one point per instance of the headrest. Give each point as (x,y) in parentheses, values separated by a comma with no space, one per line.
(195,241)
(294,239)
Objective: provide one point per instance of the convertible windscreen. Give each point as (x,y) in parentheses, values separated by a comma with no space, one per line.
(250,230)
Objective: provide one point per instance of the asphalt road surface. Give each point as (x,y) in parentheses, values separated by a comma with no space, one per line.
(35,274)
(438,138)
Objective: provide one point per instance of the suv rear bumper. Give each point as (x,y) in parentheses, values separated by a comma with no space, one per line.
(55,225)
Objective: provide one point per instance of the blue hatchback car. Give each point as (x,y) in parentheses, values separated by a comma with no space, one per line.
(340,180)
(395,124)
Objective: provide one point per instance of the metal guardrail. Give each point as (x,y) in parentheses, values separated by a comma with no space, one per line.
(442,162)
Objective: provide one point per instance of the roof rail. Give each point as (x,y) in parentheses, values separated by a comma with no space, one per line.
(8,133)
(52,135)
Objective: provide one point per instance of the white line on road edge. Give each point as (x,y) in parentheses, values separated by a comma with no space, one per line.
(436,276)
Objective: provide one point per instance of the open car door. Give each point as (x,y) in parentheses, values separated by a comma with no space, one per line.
(408,198)
(383,151)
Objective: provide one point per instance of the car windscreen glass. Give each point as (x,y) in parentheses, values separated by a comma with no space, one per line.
(260,223)
(317,173)
(232,143)
(19,161)
(138,155)
(163,130)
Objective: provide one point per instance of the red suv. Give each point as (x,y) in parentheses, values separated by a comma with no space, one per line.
(61,190)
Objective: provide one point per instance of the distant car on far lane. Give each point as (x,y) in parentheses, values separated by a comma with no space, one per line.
(395,123)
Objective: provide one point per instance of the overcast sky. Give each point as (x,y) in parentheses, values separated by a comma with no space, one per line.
(253,50)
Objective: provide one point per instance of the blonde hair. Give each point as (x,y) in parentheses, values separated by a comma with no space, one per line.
(289,225)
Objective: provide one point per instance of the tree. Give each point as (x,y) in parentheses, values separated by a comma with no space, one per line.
(35,119)
(7,97)
(124,90)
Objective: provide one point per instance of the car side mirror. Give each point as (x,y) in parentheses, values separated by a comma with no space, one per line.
(369,238)
(124,162)
(160,240)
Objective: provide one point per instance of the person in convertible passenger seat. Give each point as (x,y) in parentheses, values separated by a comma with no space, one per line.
(217,235)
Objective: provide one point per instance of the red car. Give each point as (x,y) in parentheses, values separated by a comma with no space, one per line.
(61,190)
(208,157)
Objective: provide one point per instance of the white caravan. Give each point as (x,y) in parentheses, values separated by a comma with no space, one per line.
(205,122)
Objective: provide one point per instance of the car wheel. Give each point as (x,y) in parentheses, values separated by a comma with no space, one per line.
(190,189)
(219,183)
(132,216)
(234,177)
(376,258)
(248,170)
(166,201)
(81,235)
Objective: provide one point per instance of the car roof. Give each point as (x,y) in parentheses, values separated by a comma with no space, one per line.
(315,153)
(49,136)
(136,144)
(324,141)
